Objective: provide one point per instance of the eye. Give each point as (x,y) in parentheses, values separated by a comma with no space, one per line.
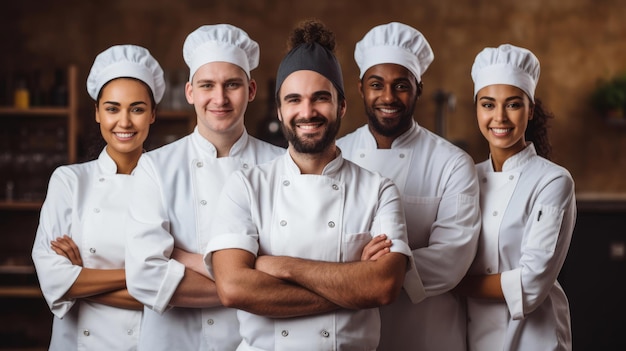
(375,85)
(402,87)
(138,110)
(487,105)
(111,109)
(233,85)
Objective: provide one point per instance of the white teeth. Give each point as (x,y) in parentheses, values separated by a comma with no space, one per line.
(387,110)
(124,135)
(500,130)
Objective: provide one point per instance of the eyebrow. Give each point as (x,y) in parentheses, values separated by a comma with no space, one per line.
(400,79)
(230,80)
(314,95)
(118,104)
(507,99)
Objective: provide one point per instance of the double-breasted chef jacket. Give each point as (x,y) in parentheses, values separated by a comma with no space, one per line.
(439,189)
(529,212)
(175,193)
(273,209)
(88,202)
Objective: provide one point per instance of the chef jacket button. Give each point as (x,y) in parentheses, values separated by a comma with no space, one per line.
(401,155)
(96,210)
(245,166)
(92,250)
(210,321)
(129,332)
(484,180)
(489,270)
(331,224)
(284,333)
(86,332)
(495,213)
(362,155)
(283,223)
(286,183)
(203,202)
(199,164)
(101,180)
(325,333)
(335,187)
(511,177)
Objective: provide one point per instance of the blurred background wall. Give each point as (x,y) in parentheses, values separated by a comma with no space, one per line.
(578,42)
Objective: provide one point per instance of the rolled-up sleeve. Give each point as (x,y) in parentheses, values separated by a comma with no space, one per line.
(151,276)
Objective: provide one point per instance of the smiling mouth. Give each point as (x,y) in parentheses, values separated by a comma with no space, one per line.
(501,131)
(124,135)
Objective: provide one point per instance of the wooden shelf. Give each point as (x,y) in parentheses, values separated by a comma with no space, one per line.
(35,111)
(20,292)
(21,205)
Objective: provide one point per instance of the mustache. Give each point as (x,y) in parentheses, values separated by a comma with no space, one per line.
(316,119)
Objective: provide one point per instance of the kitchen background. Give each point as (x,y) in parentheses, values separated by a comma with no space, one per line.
(48,47)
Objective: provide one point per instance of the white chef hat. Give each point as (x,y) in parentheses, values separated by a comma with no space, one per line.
(220,43)
(506,64)
(394,43)
(126,61)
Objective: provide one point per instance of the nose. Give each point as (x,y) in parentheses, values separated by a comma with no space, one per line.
(387,95)
(307,109)
(125,120)
(500,114)
(219,96)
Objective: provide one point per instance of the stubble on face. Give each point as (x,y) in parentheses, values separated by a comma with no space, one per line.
(307,143)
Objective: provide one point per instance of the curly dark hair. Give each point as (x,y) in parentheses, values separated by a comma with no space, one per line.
(537,130)
(312,31)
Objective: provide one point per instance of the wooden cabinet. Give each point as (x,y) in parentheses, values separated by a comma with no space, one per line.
(33,142)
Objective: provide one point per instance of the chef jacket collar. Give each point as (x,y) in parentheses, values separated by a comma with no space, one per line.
(402,141)
(106,163)
(236,150)
(331,169)
(519,159)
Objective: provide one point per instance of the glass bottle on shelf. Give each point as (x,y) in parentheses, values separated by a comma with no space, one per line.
(21,97)
(59,89)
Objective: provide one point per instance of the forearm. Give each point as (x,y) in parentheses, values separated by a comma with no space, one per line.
(354,285)
(243,287)
(118,298)
(196,291)
(481,287)
(92,282)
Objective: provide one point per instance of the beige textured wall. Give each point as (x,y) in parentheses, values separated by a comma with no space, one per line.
(577,42)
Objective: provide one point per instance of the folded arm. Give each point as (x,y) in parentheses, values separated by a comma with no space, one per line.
(241,286)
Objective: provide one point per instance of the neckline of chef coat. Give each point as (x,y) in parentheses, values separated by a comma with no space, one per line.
(330,170)
(210,149)
(519,159)
(401,140)
(106,163)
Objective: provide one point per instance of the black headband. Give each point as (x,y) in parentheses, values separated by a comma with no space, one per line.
(311,57)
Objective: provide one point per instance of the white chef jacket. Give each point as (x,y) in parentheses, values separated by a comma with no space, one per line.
(275,210)
(88,203)
(440,194)
(175,194)
(529,212)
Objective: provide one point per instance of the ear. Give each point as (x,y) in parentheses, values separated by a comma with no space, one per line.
(343,108)
(153,118)
(97,114)
(278,114)
(360,86)
(251,90)
(189,93)
(531,112)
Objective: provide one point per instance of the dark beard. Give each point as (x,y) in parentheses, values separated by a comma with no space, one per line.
(306,147)
(404,124)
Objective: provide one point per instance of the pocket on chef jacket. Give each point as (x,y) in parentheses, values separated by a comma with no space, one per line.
(353,245)
(545,228)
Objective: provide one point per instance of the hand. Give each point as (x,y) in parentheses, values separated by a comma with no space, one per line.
(65,246)
(376,248)
(192,261)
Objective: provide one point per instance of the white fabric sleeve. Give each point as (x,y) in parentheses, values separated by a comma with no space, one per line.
(56,273)
(151,276)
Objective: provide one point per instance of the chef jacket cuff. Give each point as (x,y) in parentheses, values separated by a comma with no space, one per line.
(511,282)
(228,241)
(413,285)
(174,274)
